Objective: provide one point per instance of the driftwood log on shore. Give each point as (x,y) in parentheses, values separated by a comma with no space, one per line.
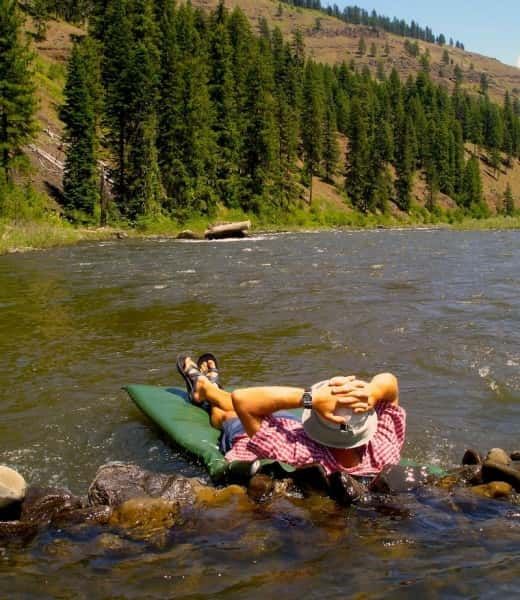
(228,230)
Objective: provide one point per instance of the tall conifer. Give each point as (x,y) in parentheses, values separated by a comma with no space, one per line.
(17,99)
(80,178)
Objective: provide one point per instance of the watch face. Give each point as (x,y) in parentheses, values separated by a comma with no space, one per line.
(307,400)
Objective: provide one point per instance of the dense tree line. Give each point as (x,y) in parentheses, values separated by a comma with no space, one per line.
(194,109)
(359,16)
(191,110)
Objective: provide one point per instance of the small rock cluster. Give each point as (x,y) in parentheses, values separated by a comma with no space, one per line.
(497,475)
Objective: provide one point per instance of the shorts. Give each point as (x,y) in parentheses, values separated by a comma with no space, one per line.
(231,428)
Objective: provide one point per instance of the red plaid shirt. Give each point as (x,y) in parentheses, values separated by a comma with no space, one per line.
(285,440)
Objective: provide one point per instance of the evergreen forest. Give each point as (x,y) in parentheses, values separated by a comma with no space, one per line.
(170,110)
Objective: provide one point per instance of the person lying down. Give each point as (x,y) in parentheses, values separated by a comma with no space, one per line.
(348,425)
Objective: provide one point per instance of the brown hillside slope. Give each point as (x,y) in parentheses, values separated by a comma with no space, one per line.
(47,152)
(336,41)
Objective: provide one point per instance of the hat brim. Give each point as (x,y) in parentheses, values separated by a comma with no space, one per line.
(332,435)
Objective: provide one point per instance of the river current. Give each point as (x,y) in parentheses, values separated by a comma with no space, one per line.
(439,309)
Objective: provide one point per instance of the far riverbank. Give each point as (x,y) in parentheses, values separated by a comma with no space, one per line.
(39,235)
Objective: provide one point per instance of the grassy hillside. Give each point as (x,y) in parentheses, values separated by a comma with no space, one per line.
(335,41)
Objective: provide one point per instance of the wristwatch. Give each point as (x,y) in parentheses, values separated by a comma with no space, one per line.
(307,399)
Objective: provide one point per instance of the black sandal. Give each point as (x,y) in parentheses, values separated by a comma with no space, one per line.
(212,373)
(190,375)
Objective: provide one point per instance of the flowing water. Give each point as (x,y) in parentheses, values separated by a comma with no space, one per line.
(439,309)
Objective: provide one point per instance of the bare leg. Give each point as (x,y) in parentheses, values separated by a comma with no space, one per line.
(205,391)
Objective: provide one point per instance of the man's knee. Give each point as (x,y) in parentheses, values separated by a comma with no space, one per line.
(237,399)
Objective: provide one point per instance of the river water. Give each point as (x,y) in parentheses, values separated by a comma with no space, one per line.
(439,309)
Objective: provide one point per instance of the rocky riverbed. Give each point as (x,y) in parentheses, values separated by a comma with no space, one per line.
(136,502)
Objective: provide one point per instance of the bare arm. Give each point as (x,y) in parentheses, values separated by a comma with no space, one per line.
(252,405)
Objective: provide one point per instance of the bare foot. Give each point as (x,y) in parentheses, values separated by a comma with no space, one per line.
(208,366)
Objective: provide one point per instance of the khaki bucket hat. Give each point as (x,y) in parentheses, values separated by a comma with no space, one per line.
(357,431)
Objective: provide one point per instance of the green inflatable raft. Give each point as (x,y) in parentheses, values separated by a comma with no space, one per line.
(189,427)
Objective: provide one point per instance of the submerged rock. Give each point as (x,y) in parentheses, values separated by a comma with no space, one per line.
(12,486)
(462,476)
(93,515)
(146,516)
(494,490)
(43,505)
(116,483)
(10,530)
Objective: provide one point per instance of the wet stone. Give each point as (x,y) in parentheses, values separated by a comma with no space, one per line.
(42,505)
(10,530)
(498,456)
(215,498)
(116,483)
(463,476)
(95,515)
(397,479)
(12,486)
(345,489)
(471,457)
(147,515)
(498,472)
(260,487)
(494,490)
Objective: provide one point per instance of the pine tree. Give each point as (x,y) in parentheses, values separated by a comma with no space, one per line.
(80,181)
(472,188)
(287,105)
(358,177)
(17,99)
(312,123)
(186,140)
(116,63)
(221,85)
(330,144)
(362,46)
(259,147)
(509,201)
(404,164)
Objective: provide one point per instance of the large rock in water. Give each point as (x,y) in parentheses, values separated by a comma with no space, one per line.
(396,479)
(12,487)
(492,471)
(116,483)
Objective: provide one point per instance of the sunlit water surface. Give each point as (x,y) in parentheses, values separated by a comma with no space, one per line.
(440,309)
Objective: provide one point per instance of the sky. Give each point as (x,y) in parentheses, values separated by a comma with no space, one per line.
(489,27)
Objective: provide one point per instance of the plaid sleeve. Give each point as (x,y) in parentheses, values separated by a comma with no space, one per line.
(389,438)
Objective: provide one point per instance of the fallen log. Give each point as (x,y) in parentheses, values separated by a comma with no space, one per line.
(228,230)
